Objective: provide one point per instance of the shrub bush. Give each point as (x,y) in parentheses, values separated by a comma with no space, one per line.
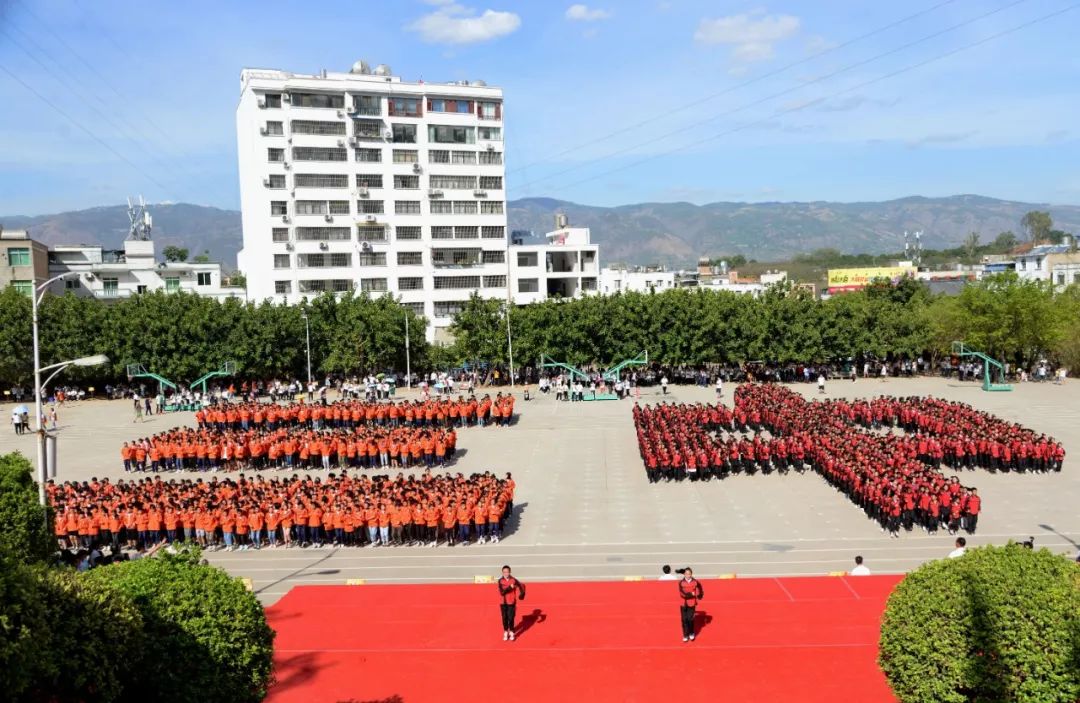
(205,637)
(27,533)
(24,629)
(998,624)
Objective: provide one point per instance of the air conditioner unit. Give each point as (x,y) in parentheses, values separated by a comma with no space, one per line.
(369,218)
(266,182)
(285,219)
(416,168)
(479,193)
(289,246)
(329,218)
(365,246)
(435,193)
(362,191)
(324,246)
(286,98)
(287,165)
(491,147)
(264,131)
(341,113)
(341,142)
(388,133)
(262,102)
(353,141)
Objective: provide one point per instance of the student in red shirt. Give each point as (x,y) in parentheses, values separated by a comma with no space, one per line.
(510,592)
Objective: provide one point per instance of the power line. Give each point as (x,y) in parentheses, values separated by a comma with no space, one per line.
(80,125)
(744,84)
(797,108)
(787,91)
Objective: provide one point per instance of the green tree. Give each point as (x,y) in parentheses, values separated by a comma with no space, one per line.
(1037,224)
(203,258)
(1005,242)
(971,246)
(998,624)
(27,534)
(24,629)
(175,253)
(206,637)
(16,345)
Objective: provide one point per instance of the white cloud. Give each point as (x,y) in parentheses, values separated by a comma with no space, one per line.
(751,36)
(455,24)
(818,44)
(583,13)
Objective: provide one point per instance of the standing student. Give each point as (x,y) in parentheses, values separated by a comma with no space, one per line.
(690,592)
(510,592)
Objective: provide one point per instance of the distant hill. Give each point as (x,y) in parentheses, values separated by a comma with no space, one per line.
(671,233)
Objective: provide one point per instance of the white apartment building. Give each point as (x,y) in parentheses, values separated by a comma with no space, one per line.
(363,182)
(109,274)
(566,265)
(638,280)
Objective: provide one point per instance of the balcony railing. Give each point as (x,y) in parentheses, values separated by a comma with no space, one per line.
(374,111)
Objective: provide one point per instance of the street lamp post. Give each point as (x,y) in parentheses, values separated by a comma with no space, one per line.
(39,387)
(510,345)
(408,361)
(307,336)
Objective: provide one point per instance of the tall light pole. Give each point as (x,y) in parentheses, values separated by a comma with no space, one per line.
(408,361)
(510,345)
(39,387)
(307,336)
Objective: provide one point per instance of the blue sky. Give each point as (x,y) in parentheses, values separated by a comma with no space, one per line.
(606,102)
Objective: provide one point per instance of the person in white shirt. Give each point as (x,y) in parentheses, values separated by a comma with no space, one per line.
(860,568)
(666,574)
(719,387)
(961,548)
(821,383)
(663,384)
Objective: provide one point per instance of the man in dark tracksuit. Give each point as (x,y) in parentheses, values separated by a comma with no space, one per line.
(690,592)
(510,592)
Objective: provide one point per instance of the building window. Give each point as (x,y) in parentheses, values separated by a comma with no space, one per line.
(275,155)
(317,100)
(316,153)
(281,261)
(326,129)
(463,158)
(495,257)
(320,180)
(406,182)
(367,129)
(494,281)
(408,232)
(369,156)
(311,207)
(372,258)
(18,256)
(417,308)
(525,259)
(140,289)
(490,158)
(321,285)
(404,133)
(342,259)
(1076,277)
(1061,279)
(447,134)
(406,156)
(441,207)
(441,231)
(491,182)
(406,207)
(466,232)
(276,181)
(588,284)
(455,257)
(463,107)
(71,284)
(172,284)
(457,282)
(369,105)
(489,111)
(110,287)
(410,283)
(410,258)
(449,308)
(323,234)
(528,285)
(438,156)
(373,285)
(272,100)
(279,207)
(282,287)
(275,129)
(281,234)
(204,278)
(465,207)
(453,182)
(371,233)
(369,207)
(405,107)
(491,207)
(493,232)
(24,287)
(490,134)
(369,180)
(339,207)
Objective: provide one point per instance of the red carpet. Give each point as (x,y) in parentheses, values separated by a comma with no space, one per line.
(788,639)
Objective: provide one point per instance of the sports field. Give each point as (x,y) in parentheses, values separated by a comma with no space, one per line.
(584,510)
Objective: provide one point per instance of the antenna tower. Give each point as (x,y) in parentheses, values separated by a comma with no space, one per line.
(141,221)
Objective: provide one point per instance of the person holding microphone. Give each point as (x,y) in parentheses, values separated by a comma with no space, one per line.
(510,592)
(690,592)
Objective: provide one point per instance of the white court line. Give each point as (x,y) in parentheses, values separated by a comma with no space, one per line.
(785,590)
(647,648)
(856,593)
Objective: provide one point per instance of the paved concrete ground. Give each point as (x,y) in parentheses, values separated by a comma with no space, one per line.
(585,510)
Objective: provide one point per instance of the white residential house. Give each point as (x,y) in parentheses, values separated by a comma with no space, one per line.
(565,265)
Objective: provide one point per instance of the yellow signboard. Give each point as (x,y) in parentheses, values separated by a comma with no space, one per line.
(852,279)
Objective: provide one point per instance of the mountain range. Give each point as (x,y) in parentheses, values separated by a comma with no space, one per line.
(675,234)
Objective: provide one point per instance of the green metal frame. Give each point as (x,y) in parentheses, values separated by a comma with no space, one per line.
(227,369)
(641,359)
(548,363)
(960,349)
(139,371)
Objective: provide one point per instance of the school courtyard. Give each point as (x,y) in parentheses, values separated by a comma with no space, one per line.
(584,510)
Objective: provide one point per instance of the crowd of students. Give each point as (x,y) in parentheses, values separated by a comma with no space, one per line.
(250,513)
(894,478)
(345,434)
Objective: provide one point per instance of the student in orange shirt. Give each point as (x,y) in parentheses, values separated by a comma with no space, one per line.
(480,518)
